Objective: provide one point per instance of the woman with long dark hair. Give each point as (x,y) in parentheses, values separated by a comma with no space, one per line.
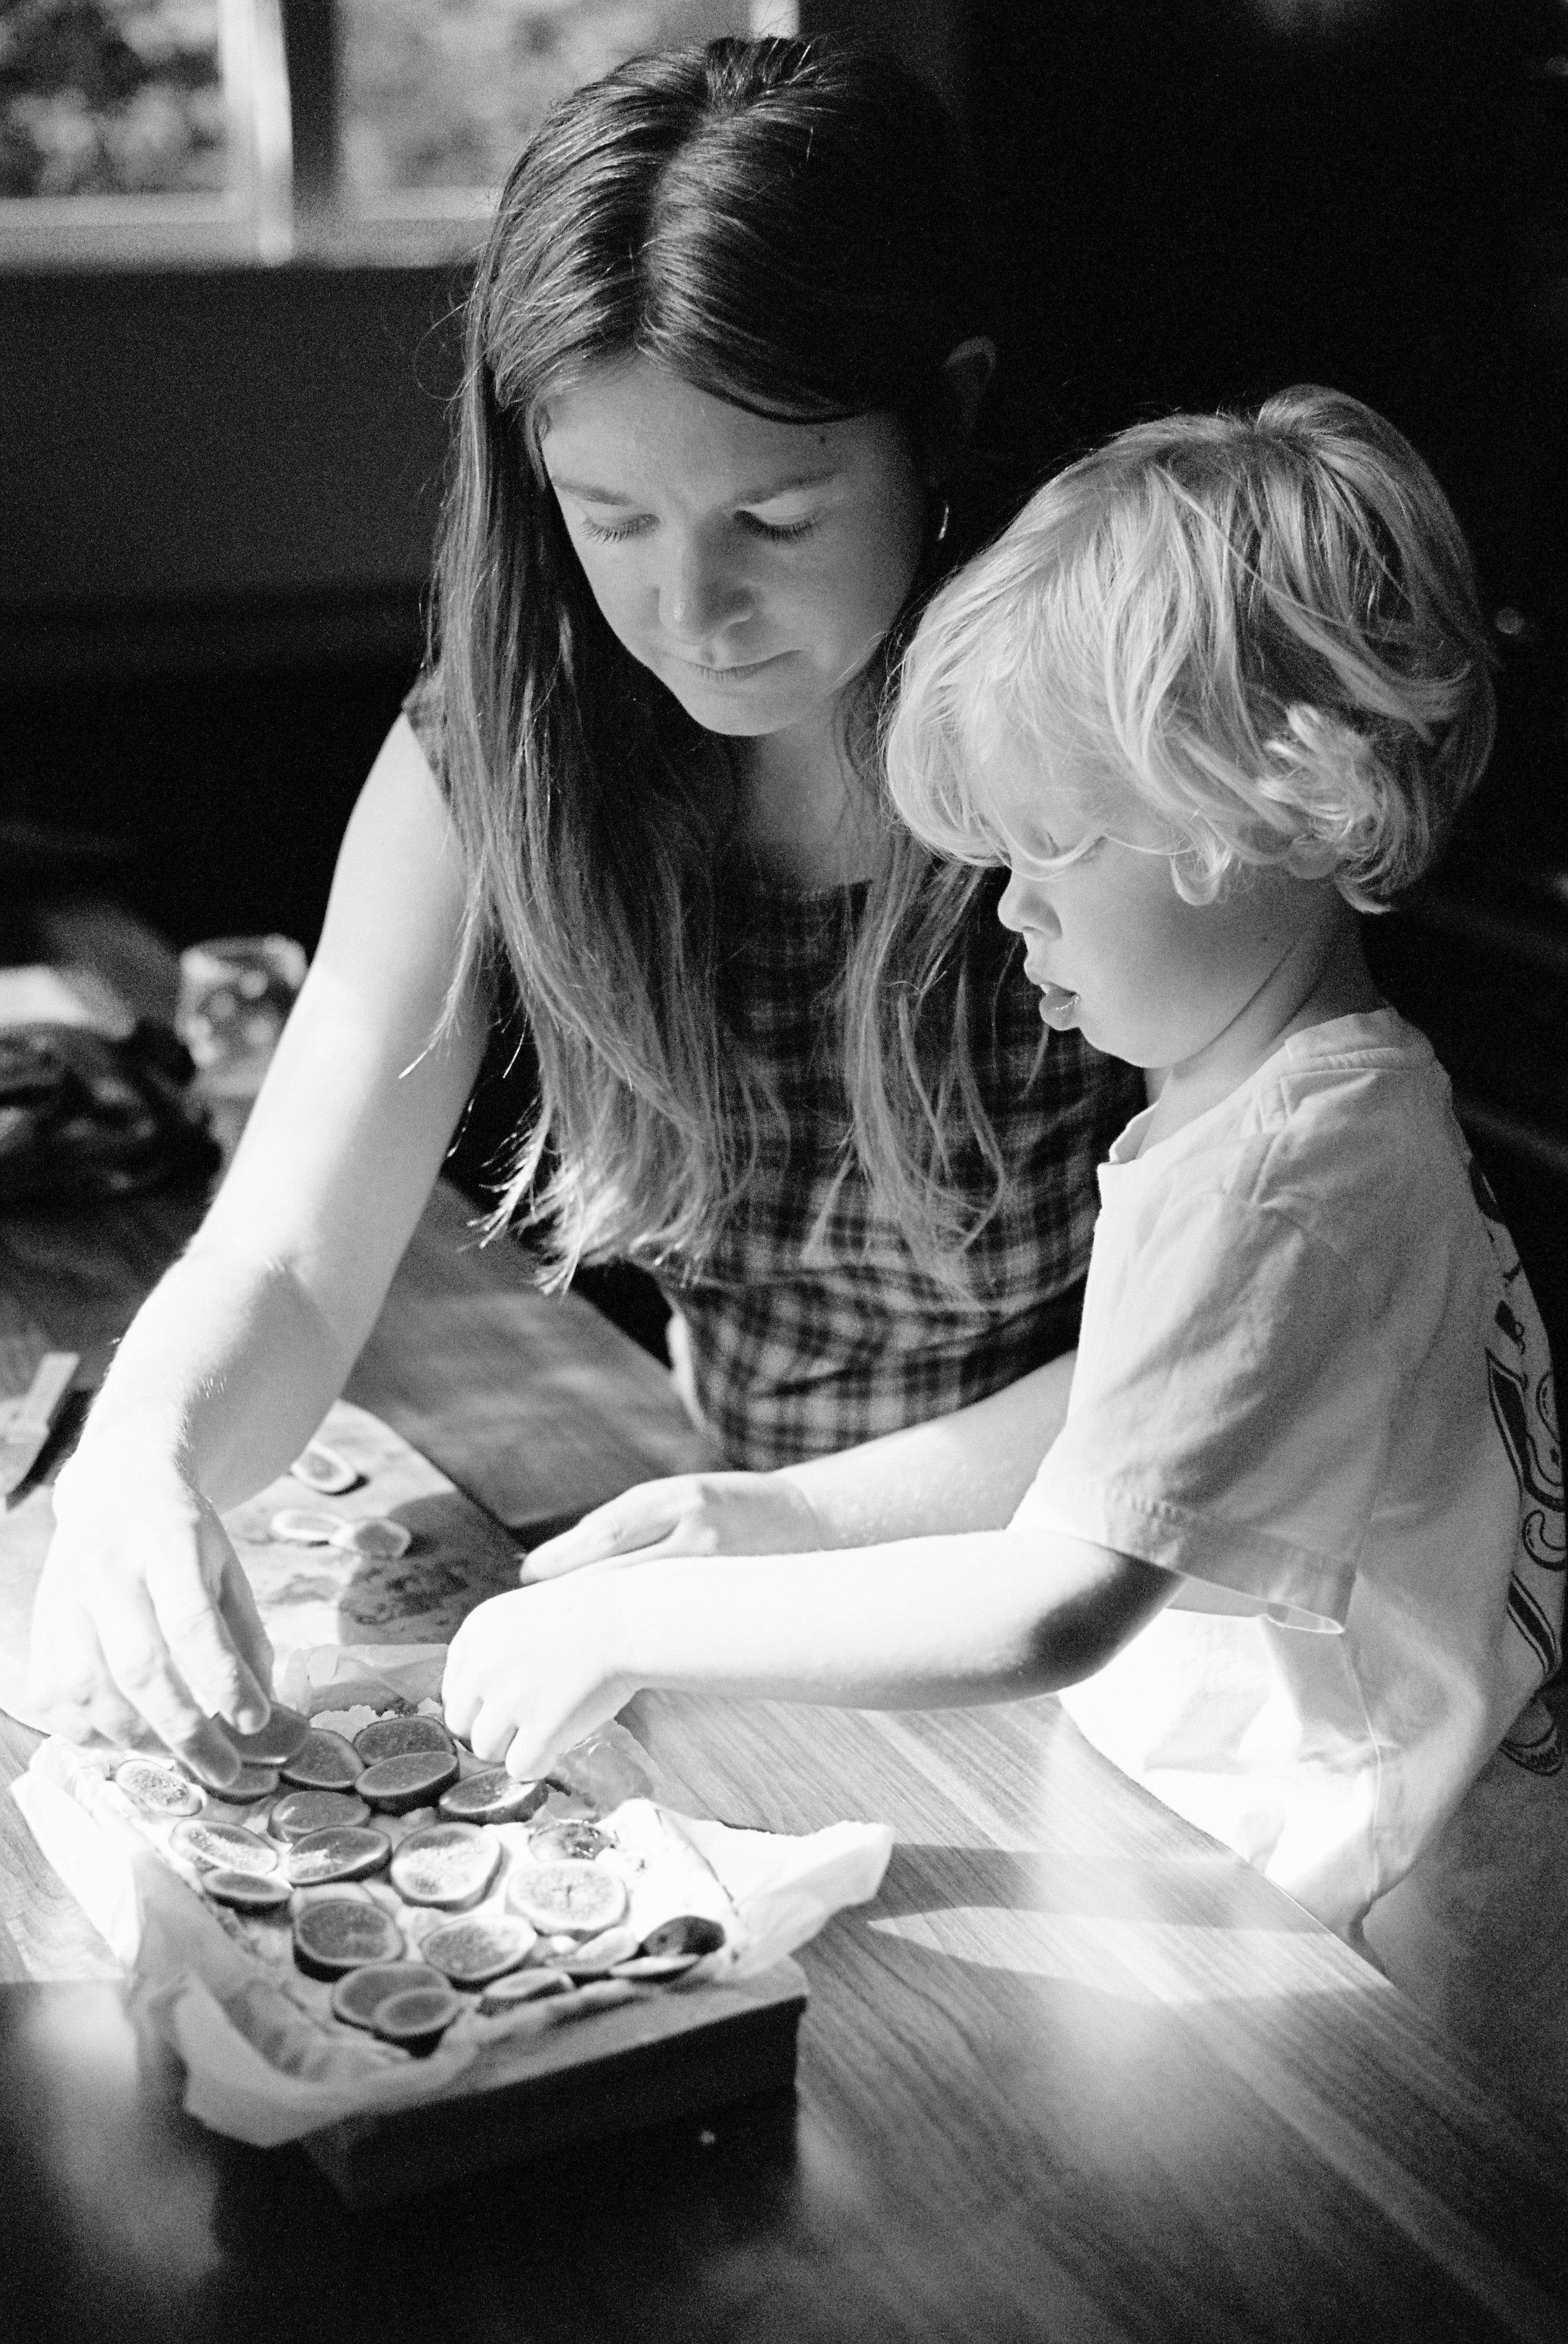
(723,360)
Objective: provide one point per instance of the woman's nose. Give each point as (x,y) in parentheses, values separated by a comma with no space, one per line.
(700,594)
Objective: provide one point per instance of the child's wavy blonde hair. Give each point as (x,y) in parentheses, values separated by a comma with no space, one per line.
(1267,624)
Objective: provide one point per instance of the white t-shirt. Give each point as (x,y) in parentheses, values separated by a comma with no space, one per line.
(1311,1378)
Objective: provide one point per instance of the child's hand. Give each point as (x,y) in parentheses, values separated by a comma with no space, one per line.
(686,1513)
(529,1674)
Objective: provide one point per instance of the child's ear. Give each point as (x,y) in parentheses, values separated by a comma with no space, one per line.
(966,371)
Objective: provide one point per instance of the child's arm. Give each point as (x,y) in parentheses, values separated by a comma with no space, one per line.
(967,1470)
(990,1615)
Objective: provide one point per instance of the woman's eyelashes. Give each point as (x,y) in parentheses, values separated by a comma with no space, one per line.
(776,532)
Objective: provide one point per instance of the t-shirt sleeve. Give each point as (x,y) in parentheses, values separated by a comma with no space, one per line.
(1228,1413)
(424,705)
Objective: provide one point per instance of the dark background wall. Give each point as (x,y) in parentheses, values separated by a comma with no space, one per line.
(217,487)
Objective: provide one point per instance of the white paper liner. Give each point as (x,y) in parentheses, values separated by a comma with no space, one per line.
(186,1974)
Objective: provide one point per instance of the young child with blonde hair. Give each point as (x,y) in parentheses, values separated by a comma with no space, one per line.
(1295,1558)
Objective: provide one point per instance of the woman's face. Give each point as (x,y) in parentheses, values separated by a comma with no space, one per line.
(753,566)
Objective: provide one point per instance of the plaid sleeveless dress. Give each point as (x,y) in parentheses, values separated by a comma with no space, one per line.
(796,1349)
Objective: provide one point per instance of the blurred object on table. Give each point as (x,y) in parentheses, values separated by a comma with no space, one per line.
(87,1116)
(235,997)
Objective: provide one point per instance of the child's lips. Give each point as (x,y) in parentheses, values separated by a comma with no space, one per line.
(1058,1006)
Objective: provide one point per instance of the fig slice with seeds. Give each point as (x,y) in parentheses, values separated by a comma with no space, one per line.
(518,1986)
(324,1762)
(159,1789)
(447,1864)
(379,1540)
(597,1957)
(574,1898)
(246,1892)
(322,1469)
(417,2018)
(360,1992)
(472,1952)
(413,1779)
(493,1797)
(342,1852)
(688,1933)
(304,1526)
(336,1934)
(251,1783)
(298,1813)
(394,1737)
(278,1739)
(222,1847)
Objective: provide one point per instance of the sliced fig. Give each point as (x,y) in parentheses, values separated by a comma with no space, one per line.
(493,1797)
(223,1847)
(278,1739)
(518,1986)
(336,1934)
(573,1840)
(342,1852)
(447,1864)
(597,1957)
(159,1789)
(322,1469)
(575,1899)
(304,1526)
(650,1968)
(323,1761)
(247,1891)
(475,1951)
(378,1539)
(299,1812)
(689,1932)
(358,1994)
(251,1784)
(417,2018)
(394,1737)
(412,1780)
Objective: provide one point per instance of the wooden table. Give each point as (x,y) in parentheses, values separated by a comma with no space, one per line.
(1076,2073)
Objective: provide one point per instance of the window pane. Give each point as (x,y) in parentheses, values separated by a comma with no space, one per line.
(111,97)
(442,93)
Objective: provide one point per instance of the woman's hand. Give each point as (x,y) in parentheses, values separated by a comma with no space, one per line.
(143,1623)
(529,1674)
(687,1513)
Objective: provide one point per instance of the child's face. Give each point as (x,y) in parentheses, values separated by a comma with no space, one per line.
(1114,949)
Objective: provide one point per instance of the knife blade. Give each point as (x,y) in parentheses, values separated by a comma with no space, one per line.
(29,1421)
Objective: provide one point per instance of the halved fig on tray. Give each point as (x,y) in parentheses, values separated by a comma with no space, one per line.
(342,1852)
(299,1812)
(358,1994)
(336,1934)
(246,1892)
(322,1469)
(222,1847)
(688,1933)
(448,1864)
(576,1898)
(417,2018)
(493,1797)
(393,1737)
(473,1952)
(414,1778)
(324,1762)
(159,1789)
(518,1986)
(250,1786)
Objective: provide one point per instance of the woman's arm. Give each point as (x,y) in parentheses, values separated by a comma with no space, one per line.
(143,1617)
(967,1470)
(923,1623)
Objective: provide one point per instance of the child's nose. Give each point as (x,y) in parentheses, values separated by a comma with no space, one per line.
(1025,908)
